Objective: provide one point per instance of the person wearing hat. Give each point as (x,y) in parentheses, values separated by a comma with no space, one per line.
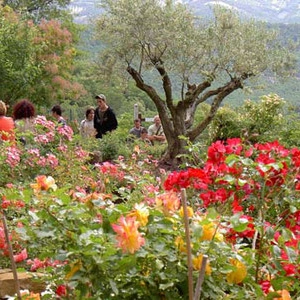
(104,119)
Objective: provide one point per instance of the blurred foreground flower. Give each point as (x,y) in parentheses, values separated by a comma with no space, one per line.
(128,237)
(239,274)
(43,183)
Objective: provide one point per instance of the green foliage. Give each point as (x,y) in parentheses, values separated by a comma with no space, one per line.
(253,121)
(36,60)
(38,10)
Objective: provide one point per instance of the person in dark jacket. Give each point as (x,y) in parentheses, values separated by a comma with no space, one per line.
(105,119)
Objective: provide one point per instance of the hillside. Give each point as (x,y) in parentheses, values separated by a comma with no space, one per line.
(272,11)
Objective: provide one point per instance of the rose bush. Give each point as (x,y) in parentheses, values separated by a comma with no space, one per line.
(116,230)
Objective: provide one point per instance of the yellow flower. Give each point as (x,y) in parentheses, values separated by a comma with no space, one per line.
(141,213)
(240,272)
(197,262)
(44,183)
(208,232)
(180,244)
(75,267)
(190,212)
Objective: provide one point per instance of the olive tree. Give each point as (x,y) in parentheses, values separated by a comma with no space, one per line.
(181,61)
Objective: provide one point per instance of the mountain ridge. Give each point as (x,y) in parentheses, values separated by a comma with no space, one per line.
(272,11)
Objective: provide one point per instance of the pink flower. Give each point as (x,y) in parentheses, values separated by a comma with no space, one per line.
(66,131)
(13,156)
(21,256)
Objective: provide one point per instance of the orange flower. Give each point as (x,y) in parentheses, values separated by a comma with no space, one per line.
(43,183)
(240,272)
(128,237)
(197,262)
(141,213)
(285,295)
(169,201)
(30,296)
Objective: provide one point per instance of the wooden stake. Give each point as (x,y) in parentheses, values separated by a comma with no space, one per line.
(11,256)
(188,244)
(200,278)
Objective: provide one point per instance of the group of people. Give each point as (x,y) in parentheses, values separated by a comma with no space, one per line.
(101,120)
(154,133)
(97,121)
(22,120)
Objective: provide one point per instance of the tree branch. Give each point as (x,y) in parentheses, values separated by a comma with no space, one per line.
(220,93)
(167,85)
(151,92)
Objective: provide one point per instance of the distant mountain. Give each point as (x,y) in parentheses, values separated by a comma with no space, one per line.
(273,11)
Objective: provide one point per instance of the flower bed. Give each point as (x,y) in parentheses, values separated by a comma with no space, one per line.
(115,230)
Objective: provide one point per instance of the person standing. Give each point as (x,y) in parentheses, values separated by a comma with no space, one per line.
(105,119)
(57,114)
(7,125)
(24,115)
(155,131)
(87,125)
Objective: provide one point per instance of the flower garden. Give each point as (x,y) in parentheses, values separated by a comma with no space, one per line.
(126,229)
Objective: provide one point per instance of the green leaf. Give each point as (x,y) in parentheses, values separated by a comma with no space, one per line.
(114,286)
(270,233)
(165,286)
(159,264)
(276,251)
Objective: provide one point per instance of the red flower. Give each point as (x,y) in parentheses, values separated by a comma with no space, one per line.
(296,156)
(216,152)
(234,145)
(61,290)
(265,286)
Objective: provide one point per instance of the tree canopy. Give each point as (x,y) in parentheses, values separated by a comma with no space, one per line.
(207,59)
(38,9)
(36,61)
